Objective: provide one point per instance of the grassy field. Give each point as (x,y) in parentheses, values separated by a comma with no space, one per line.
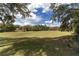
(40,43)
(45,34)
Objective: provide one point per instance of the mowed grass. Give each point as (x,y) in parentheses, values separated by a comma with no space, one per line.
(36,43)
(40,34)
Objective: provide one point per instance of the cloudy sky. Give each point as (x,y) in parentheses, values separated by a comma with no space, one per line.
(41,14)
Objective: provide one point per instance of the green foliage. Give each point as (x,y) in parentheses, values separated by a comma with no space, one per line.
(7,28)
(68,15)
(8,12)
(34,28)
(10,27)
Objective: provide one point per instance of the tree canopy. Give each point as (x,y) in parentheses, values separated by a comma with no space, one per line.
(9,10)
(67,14)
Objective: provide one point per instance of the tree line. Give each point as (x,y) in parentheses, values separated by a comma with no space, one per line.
(12,28)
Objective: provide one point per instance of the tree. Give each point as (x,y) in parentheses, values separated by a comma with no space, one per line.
(10,28)
(68,15)
(9,10)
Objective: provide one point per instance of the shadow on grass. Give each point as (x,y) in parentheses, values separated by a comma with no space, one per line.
(59,46)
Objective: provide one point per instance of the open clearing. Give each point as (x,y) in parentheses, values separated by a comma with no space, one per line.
(36,43)
(40,34)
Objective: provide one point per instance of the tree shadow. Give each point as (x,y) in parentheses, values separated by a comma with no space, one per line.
(59,46)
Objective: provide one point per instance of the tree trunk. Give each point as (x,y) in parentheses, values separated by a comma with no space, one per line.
(4,27)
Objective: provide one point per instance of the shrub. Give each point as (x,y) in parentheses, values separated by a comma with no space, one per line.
(7,28)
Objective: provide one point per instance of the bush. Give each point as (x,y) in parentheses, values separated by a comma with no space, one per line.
(7,28)
(10,28)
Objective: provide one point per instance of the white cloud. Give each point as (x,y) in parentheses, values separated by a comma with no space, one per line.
(48,22)
(34,5)
(27,23)
(51,23)
(45,6)
(34,10)
(34,19)
(45,10)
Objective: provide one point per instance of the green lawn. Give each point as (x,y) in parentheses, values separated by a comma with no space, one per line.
(40,43)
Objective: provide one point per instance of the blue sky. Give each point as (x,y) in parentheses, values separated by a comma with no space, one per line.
(41,14)
(45,16)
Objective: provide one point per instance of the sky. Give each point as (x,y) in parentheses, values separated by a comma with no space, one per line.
(41,14)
